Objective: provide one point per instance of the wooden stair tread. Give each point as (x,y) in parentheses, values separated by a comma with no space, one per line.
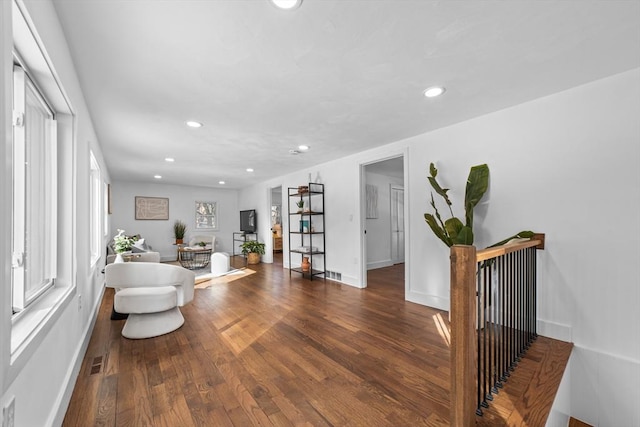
(577,423)
(527,396)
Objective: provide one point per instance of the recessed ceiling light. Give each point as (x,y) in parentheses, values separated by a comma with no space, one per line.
(221,182)
(194,124)
(169,159)
(286,4)
(434,91)
(249,170)
(157,176)
(303,147)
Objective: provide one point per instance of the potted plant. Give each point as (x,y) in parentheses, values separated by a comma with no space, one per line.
(453,231)
(252,249)
(122,244)
(300,205)
(179,230)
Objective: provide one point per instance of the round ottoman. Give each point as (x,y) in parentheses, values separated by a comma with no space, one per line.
(219,264)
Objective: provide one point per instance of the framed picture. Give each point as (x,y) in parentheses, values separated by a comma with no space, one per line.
(207,215)
(152,208)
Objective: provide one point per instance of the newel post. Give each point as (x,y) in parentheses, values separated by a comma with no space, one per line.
(463,335)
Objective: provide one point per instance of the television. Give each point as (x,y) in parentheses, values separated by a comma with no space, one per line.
(248,221)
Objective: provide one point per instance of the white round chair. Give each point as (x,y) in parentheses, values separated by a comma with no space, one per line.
(151,294)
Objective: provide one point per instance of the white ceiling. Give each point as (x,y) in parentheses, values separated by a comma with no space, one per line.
(339,75)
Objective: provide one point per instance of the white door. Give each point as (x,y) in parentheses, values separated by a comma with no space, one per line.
(397,224)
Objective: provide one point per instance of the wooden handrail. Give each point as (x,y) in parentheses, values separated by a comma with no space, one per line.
(484,254)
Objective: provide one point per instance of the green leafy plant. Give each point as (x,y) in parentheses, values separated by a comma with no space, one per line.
(453,231)
(252,246)
(123,243)
(179,229)
(202,244)
(300,204)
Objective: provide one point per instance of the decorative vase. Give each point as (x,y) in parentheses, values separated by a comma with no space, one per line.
(179,241)
(253,258)
(118,259)
(306,265)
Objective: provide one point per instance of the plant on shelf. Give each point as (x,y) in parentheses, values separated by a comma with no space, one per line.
(300,205)
(252,249)
(202,244)
(453,231)
(179,230)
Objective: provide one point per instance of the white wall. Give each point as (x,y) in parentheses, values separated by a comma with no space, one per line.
(565,165)
(342,210)
(42,378)
(182,202)
(378,235)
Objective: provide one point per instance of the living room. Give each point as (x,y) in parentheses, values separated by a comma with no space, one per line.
(563,163)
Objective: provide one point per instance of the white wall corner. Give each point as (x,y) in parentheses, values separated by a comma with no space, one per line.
(63,399)
(379,264)
(561,408)
(433,301)
(554,330)
(349,280)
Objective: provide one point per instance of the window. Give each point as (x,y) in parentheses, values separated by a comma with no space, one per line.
(96,213)
(106,209)
(34,192)
(206,215)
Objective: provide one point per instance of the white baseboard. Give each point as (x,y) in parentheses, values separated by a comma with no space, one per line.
(379,264)
(350,281)
(432,301)
(64,398)
(554,330)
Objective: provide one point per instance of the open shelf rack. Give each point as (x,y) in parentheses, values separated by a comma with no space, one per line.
(306,229)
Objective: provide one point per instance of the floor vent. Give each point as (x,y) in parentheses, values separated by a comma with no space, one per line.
(96,366)
(334,275)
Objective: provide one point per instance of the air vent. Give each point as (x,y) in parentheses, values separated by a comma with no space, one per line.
(96,366)
(333,275)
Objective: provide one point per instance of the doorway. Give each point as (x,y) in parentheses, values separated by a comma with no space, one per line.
(383,220)
(397,224)
(276,224)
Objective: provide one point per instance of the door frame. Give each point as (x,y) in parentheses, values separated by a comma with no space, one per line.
(268,255)
(404,154)
(393,187)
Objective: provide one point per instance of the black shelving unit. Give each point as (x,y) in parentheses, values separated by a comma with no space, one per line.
(306,229)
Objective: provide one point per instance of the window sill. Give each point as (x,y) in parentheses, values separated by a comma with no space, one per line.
(30,327)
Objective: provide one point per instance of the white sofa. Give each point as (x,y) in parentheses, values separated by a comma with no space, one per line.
(209,239)
(140,252)
(151,294)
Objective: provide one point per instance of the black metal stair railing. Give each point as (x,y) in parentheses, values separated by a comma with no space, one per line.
(506,318)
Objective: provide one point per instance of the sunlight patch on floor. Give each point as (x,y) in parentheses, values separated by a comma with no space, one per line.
(443,328)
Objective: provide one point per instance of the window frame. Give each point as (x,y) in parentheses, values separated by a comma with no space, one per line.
(27,180)
(96,213)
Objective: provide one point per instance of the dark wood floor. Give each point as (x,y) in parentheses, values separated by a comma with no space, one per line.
(269,350)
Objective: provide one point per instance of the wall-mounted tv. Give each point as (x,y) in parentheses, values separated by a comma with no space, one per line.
(248,221)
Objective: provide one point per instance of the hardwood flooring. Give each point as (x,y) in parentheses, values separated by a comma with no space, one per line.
(270,350)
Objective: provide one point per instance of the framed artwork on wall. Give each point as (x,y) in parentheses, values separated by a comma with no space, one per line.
(152,208)
(207,215)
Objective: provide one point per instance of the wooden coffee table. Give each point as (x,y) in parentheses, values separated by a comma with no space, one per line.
(194,259)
